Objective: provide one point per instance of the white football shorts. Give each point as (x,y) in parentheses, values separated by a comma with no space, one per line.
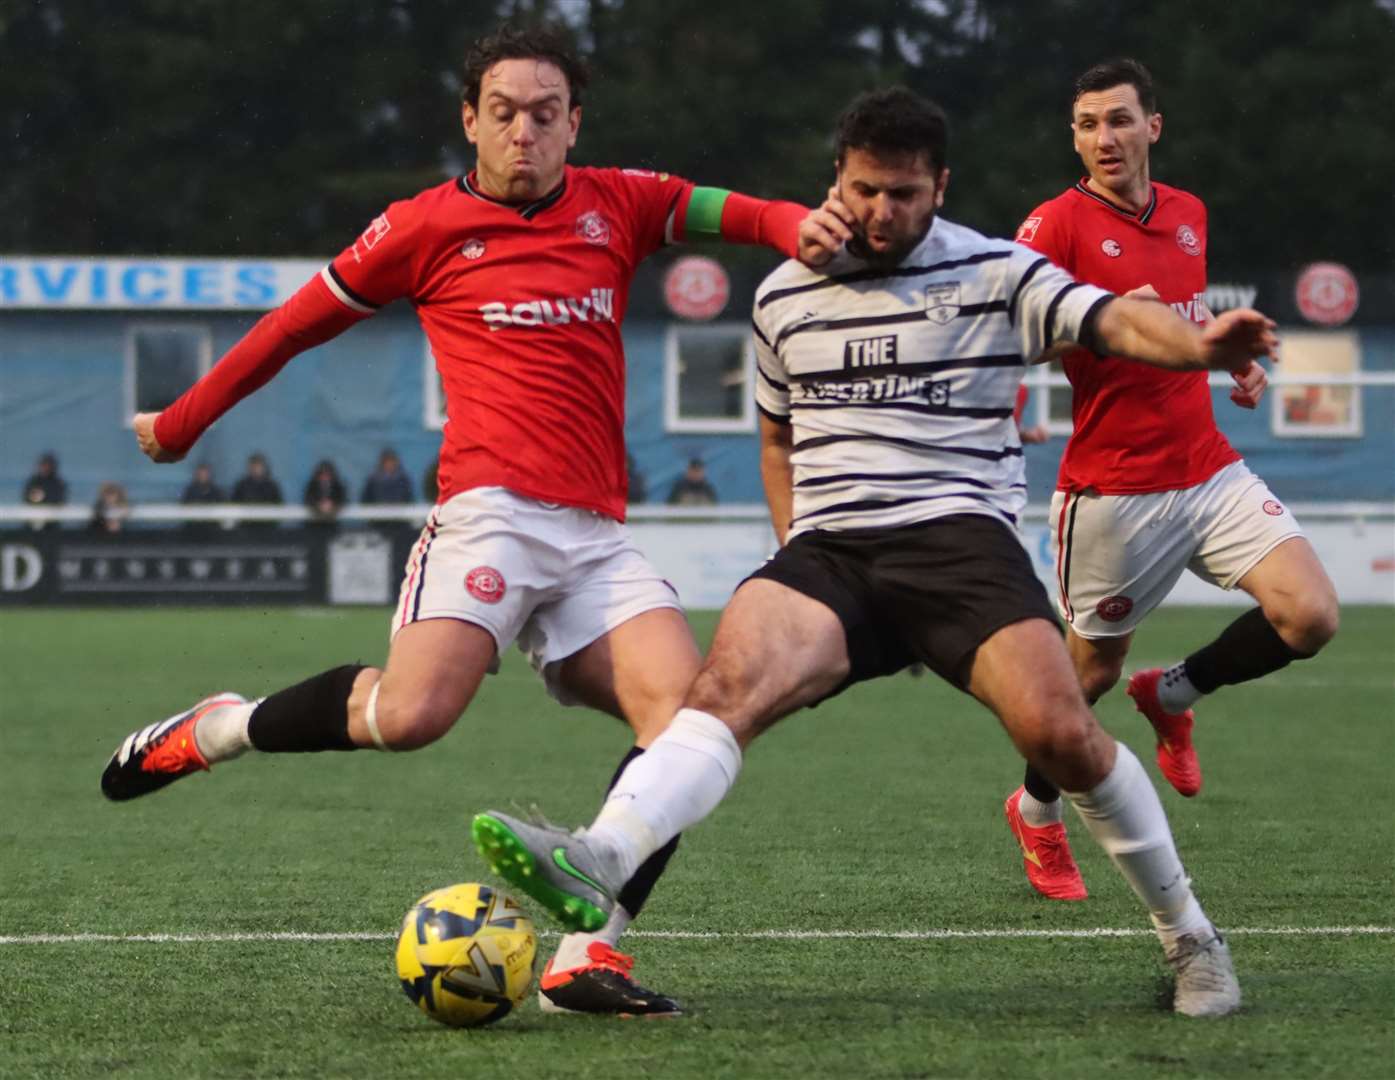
(1118,556)
(553,578)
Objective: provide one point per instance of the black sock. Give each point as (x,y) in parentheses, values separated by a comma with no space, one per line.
(1039,787)
(1247,649)
(638,888)
(307,717)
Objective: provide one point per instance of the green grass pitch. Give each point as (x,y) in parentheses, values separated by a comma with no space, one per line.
(877,814)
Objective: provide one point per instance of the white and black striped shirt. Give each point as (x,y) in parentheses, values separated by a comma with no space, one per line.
(901,382)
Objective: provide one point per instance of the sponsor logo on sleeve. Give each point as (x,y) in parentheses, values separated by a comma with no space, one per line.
(1187,240)
(486,584)
(1027,231)
(377,229)
(1273,508)
(1111,248)
(593,228)
(942,302)
(1113,608)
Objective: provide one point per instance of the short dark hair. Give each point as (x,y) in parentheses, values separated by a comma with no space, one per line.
(1117,72)
(894,121)
(541,42)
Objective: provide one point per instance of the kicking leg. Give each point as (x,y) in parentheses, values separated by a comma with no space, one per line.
(434,668)
(1024,675)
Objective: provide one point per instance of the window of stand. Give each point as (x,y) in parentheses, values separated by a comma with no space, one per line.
(1048,404)
(709,374)
(162,361)
(1318,410)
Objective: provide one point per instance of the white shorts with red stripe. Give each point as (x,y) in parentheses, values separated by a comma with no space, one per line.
(553,578)
(1118,556)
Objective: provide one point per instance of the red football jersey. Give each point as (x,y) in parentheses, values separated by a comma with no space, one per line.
(1137,428)
(522,307)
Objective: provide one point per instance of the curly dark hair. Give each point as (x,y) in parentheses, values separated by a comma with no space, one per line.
(1117,72)
(541,42)
(894,121)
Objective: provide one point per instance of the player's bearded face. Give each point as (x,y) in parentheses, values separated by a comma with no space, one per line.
(893,200)
(522,129)
(1112,136)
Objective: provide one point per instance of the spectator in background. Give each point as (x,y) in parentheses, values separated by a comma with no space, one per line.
(324,493)
(257,486)
(389,482)
(45,487)
(639,490)
(693,488)
(201,490)
(110,510)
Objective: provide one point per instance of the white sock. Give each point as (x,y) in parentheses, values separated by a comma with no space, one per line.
(670,787)
(571,950)
(221,733)
(1125,817)
(1176,694)
(1037,813)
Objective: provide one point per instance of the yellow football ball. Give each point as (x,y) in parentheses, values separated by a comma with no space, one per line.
(465,954)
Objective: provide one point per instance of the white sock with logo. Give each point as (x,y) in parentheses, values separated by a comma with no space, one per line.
(221,733)
(672,786)
(1125,817)
(1176,694)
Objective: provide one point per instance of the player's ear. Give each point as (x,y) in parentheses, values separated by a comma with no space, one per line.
(469,120)
(1154,127)
(573,125)
(941,183)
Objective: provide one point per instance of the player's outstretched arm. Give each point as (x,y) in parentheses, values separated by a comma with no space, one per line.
(718,214)
(1155,334)
(309,318)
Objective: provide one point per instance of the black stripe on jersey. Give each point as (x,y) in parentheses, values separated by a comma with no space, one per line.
(913,444)
(784,388)
(1031,272)
(875,275)
(755,329)
(1089,330)
(1050,320)
(355,297)
(928,367)
(1141,218)
(860,505)
(774,418)
(525,210)
(899,478)
(924,408)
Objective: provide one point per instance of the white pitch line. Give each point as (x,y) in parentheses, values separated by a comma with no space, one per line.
(693,935)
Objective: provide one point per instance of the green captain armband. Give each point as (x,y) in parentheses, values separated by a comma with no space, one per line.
(703,219)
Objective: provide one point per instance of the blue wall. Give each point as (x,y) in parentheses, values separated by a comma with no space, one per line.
(61,390)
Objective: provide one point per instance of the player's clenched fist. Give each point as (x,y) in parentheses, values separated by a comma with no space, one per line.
(1235,338)
(824,231)
(144,423)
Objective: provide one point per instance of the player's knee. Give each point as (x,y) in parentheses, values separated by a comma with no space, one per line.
(1308,621)
(1098,676)
(724,689)
(408,723)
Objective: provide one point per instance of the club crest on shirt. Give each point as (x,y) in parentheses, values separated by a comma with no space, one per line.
(472,249)
(486,584)
(1111,248)
(942,302)
(1187,240)
(593,228)
(1027,231)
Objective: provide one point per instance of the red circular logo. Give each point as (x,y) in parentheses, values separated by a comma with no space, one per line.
(696,287)
(1272,508)
(1187,240)
(1113,608)
(486,584)
(1111,248)
(593,228)
(1327,293)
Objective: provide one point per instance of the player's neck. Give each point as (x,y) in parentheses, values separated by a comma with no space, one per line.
(1134,198)
(492,187)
